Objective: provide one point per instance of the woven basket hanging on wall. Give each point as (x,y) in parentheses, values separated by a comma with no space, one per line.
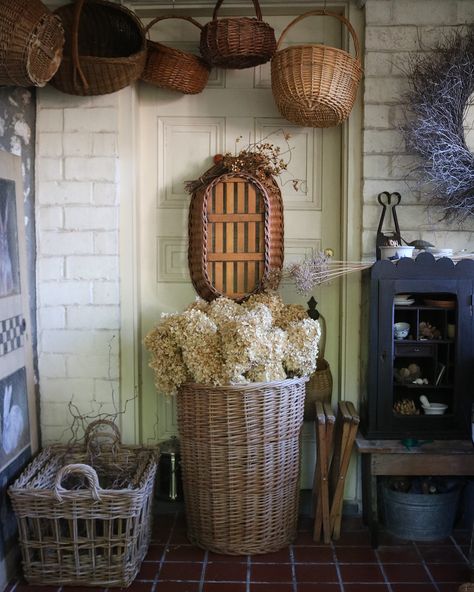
(315,85)
(235,235)
(237,42)
(175,69)
(31,43)
(105,48)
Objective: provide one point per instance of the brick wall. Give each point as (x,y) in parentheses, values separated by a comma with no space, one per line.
(77,253)
(394,30)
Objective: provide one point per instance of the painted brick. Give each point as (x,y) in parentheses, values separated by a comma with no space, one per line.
(49,120)
(108,391)
(52,434)
(52,317)
(465,11)
(50,268)
(50,144)
(384,90)
(383,142)
(451,239)
(392,38)
(52,365)
(104,194)
(97,366)
(50,169)
(77,144)
(89,169)
(63,390)
(50,98)
(431,36)
(64,292)
(377,167)
(423,12)
(93,317)
(65,243)
(378,63)
(378,12)
(106,293)
(106,243)
(376,116)
(403,166)
(90,218)
(372,187)
(78,341)
(104,144)
(92,267)
(90,120)
(50,217)
(65,192)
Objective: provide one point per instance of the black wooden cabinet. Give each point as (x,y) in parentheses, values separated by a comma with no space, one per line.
(436,359)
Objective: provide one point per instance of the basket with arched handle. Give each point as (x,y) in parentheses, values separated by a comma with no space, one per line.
(172,68)
(315,85)
(237,42)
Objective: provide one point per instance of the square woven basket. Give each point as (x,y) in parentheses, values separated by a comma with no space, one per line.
(81,524)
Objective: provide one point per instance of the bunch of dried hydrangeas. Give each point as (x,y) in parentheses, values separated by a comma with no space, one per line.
(223,342)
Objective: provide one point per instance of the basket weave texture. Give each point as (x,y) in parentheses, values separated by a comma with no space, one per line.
(92,536)
(172,68)
(31,43)
(240,461)
(235,236)
(238,42)
(105,48)
(315,85)
(319,385)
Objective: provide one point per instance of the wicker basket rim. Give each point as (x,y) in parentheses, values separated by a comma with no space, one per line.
(318,46)
(157,46)
(256,5)
(249,385)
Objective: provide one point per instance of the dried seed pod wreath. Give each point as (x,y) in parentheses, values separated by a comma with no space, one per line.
(441,89)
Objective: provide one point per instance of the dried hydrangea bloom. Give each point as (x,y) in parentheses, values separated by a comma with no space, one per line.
(301,350)
(240,347)
(199,304)
(271,352)
(222,309)
(290,313)
(271,300)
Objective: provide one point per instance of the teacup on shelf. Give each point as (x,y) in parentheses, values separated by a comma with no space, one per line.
(401,330)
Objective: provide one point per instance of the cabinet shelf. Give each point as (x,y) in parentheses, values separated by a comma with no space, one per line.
(424,386)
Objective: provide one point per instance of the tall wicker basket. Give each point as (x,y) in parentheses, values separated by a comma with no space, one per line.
(240,450)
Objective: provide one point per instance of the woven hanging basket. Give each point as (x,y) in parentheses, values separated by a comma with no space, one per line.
(315,85)
(172,68)
(235,236)
(105,48)
(240,454)
(31,43)
(238,42)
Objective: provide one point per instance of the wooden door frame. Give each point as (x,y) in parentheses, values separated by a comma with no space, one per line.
(351,211)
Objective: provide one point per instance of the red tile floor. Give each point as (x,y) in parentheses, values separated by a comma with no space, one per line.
(348,565)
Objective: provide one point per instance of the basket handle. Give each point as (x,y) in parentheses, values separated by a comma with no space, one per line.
(258,10)
(92,432)
(162,18)
(79,469)
(339,17)
(76,66)
(322,341)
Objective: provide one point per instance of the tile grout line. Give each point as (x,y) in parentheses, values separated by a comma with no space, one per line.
(293,569)
(459,548)
(203,571)
(247,582)
(338,569)
(382,569)
(428,571)
(163,555)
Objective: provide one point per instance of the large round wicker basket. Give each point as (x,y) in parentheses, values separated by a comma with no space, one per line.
(240,453)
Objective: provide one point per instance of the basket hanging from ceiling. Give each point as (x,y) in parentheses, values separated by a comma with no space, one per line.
(172,68)
(235,235)
(315,85)
(105,48)
(31,43)
(237,42)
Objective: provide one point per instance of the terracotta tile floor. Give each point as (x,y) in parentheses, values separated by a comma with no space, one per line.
(348,565)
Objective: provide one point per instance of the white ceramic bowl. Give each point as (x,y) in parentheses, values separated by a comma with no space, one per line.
(401,297)
(401,330)
(435,409)
(397,252)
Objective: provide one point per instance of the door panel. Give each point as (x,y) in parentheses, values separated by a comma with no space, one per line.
(178,137)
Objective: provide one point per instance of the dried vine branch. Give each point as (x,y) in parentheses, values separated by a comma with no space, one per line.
(441,89)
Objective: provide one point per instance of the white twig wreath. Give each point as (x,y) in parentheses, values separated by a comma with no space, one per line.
(441,89)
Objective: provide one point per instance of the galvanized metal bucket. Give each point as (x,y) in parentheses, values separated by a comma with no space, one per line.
(420,517)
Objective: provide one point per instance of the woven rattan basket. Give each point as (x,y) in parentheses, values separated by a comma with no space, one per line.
(235,236)
(105,48)
(319,385)
(315,85)
(240,450)
(83,522)
(31,43)
(238,42)
(172,68)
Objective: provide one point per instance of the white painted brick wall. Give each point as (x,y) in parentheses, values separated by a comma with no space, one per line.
(77,249)
(394,30)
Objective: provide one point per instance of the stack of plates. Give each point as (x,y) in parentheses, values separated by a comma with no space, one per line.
(403,299)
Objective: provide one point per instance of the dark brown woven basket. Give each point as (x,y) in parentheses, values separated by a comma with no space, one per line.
(31,43)
(235,236)
(238,42)
(313,84)
(172,68)
(240,449)
(105,48)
